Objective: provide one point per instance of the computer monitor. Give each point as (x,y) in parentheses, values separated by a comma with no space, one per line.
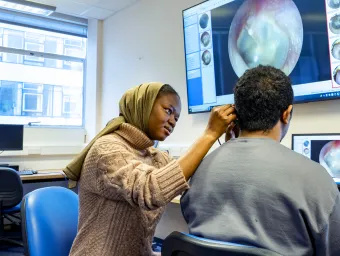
(11,137)
(321,148)
(224,38)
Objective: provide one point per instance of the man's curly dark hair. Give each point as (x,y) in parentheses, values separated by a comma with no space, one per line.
(262,94)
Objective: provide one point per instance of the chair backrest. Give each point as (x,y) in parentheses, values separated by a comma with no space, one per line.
(11,191)
(49,221)
(180,244)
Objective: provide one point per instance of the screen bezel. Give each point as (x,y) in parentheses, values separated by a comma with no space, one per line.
(207,111)
(21,134)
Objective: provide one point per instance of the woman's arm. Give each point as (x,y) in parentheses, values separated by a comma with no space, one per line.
(122,177)
(220,119)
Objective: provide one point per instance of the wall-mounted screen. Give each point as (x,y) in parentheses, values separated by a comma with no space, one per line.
(224,38)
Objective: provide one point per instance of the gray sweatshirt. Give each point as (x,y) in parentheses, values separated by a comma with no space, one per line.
(258,192)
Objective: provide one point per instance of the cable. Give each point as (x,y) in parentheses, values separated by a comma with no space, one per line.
(219,142)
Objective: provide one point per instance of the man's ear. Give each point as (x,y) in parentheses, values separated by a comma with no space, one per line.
(286,115)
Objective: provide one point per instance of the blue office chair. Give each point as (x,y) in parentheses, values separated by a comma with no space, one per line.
(11,193)
(180,244)
(49,221)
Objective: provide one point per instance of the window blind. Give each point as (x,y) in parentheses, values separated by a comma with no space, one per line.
(59,23)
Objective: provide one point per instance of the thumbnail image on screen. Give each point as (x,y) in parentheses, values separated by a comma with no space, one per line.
(224,38)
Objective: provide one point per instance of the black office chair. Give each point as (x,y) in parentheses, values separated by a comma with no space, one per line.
(180,244)
(11,193)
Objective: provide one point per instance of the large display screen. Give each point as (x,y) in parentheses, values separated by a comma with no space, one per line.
(224,38)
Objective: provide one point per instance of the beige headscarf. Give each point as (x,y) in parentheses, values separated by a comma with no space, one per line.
(135,108)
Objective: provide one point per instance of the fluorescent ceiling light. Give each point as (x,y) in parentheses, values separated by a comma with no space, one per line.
(27,7)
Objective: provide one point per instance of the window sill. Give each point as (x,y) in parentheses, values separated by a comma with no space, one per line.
(45,151)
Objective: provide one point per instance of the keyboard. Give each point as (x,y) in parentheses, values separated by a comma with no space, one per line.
(22,173)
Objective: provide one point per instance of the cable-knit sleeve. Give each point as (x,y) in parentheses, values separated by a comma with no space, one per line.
(122,177)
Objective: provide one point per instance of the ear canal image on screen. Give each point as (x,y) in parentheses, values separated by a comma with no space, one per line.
(336,75)
(334,24)
(336,49)
(330,158)
(206,57)
(334,4)
(204,21)
(265,32)
(205,39)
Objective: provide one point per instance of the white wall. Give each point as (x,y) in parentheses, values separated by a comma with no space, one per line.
(93,78)
(145,43)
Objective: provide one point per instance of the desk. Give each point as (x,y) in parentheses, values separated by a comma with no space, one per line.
(45,178)
(44,175)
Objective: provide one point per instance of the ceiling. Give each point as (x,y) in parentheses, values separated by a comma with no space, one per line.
(96,9)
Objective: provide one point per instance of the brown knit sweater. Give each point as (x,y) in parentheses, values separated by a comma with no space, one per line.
(123,188)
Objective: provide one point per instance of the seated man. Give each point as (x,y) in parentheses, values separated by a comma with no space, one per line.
(254,191)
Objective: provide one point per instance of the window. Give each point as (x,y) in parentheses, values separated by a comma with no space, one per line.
(32,102)
(70,105)
(41,76)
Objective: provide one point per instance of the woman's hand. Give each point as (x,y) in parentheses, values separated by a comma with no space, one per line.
(233,131)
(220,119)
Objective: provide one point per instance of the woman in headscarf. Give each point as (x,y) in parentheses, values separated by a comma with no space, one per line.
(125,183)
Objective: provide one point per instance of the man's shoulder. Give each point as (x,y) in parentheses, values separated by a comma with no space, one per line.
(300,161)
(263,151)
